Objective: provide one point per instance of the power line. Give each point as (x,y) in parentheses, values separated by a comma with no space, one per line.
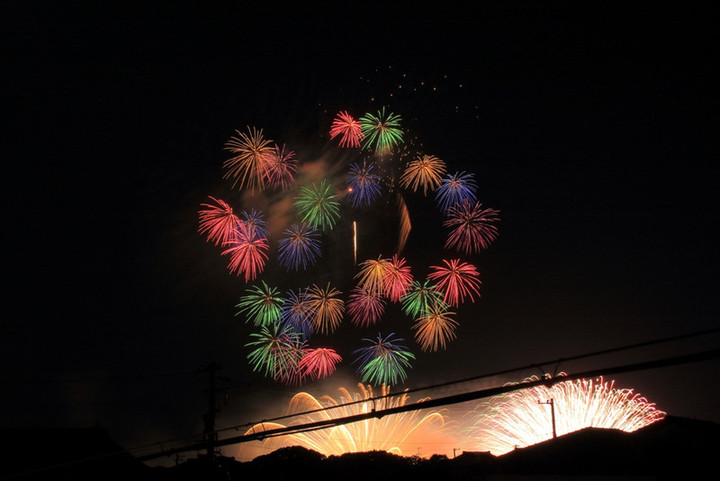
(452,399)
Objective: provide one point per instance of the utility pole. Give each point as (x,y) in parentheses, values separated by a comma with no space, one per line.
(209,435)
(552,414)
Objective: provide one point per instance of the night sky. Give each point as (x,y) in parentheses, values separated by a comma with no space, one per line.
(591,127)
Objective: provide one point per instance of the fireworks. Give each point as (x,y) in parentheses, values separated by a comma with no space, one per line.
(435,327)
(420,297)
(363,184)
(299,247)
(253,154)
(281,168)
(455,189)
(458,280)
(290,207)
(473,228)
(261,304)
(384,361)
(318,363)
(248,255)
(276,353)
(381,131)
(393,433)
(425,171)
(348,128)
(327,308)
(522,418)
(218,222)
(365,307)
(318,205)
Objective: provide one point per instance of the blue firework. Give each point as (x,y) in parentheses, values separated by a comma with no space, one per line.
(299,247)
(455,189)
(363,184)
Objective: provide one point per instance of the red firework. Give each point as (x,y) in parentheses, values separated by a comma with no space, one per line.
(365,307)
(397,279)
(218,222)
(247,255)
(318,363)
(472,227)
(348,128)
(458,280)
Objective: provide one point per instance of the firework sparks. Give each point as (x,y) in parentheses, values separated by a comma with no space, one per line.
(426,172)
(363,184)
(276,352)
(281,168)
(382,131)
(252,156)
(365,307)
(394,433)
(472,227)
(371,275)
(397,279)
(318,206)
(455,189)
(384,361)
(299,247)
(247,255)
(520,418)
(435,327)
(420,297)
(297,313)
(327,308)
(218,222)
(318,363)
(349,130)
(261,305)
(458,280)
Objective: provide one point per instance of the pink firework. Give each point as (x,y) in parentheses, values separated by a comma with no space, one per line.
(219,222)
(472,227)
(365,307)
(281,168)
(247,255)
(397,279)
(348,128)
(318,363)
(457,280)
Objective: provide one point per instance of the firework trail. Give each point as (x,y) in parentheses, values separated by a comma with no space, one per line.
(522,418)
(472,227)
(384,361)
(349,130)
(394,433)
(458,280)
(252,155)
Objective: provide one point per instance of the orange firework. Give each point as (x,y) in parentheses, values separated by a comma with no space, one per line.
(252,157)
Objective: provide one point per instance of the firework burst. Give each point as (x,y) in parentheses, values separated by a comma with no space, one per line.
(365,307)
(435,327)
(299,247)
(318,205)
(281,168)
(218,222)
(472,227)
(384,361)
(425,171)
(455,189)
(252,155)
(523,418)
(348,129)
(458,280)
(382,131)
(363,184)
(261,305)
(327,308)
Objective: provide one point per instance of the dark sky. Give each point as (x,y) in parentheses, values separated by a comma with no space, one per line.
(592,128)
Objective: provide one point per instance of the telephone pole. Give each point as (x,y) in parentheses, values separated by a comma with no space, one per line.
(552,414)
(209,435)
